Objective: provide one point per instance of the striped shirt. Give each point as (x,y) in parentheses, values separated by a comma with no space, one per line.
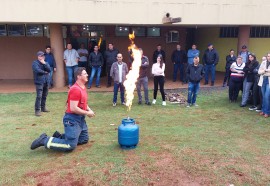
(237,67)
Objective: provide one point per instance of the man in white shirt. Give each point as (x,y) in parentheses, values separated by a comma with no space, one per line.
(83,53)
(71,58)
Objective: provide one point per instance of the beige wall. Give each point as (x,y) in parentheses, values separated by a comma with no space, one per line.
(192,12)
(17,55)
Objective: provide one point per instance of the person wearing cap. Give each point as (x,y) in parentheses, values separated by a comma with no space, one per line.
(210,60)
(41,71)
(244,53)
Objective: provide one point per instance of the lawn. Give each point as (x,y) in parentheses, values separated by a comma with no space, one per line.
(217,143)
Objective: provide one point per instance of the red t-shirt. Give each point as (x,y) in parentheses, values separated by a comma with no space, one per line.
(76,93)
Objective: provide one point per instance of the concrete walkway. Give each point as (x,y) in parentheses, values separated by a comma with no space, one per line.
(27,85)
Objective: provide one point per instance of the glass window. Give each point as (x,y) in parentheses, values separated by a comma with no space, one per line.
(3,30)
(121,31)
(34,30)
(153,32)
(139,31)
(228,32)
(16,30)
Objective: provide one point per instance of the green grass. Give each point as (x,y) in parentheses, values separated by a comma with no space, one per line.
(217,143)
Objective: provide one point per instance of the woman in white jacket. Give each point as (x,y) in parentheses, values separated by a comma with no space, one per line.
(158,72)
(264,82)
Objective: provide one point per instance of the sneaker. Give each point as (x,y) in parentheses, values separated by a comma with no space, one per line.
(188,105)
(258,110)
(212,83)
(243,105)
(163,103)
(154,101)
(114,104)
(206,83)
(57,134)
(194,104)
(252,108)
(45,110)
(123,103)
(148,103)
(37,113)
(39,141)
(140,102)
(98,86)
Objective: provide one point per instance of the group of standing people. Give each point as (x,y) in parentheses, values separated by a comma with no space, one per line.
(244,72)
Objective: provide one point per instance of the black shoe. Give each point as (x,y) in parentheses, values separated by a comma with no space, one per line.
(212,83)
(148,103)
(57,134)
(44,110)
(37,113)
(224,85)
(206,83)
(108,86)
(98,86)
(88,87)
(139,102)
(39,141)
(243,105)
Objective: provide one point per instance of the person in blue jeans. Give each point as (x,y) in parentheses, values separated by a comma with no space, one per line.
(76,130)
(264,80)
(179,59)
(118,73)
(96,62)
(71,58)
(49,58)
(210,60)
(195,73)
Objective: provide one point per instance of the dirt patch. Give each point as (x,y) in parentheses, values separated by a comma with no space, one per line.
(164,170)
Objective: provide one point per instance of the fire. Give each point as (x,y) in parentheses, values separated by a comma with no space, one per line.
(133,74)
(99,41)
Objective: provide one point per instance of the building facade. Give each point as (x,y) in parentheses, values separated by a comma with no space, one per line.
(28,26)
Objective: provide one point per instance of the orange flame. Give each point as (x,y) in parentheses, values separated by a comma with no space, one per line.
(99,41)
(133,74)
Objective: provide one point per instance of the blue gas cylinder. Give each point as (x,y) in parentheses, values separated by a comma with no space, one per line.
(128,134)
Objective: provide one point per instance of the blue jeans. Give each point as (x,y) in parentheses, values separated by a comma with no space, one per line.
(193,89)
(142,81)
(50,83)
(76,133)
(179,66)
(208,69)
(246,88)
(70,73)
(115,92)
(266,96)
(42,92)
(93,72)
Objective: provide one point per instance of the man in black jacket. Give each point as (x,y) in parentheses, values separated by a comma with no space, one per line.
(179,59)
(157,52)
(95,62)
(195,73)
(41,71)
(110,57)
(210,60)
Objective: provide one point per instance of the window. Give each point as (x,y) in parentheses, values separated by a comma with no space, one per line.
(139,31)
(3,30)
(260,32)
(173,37)
(153,32)
(34,30)
(228,32)
(16,30)
(121,31)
